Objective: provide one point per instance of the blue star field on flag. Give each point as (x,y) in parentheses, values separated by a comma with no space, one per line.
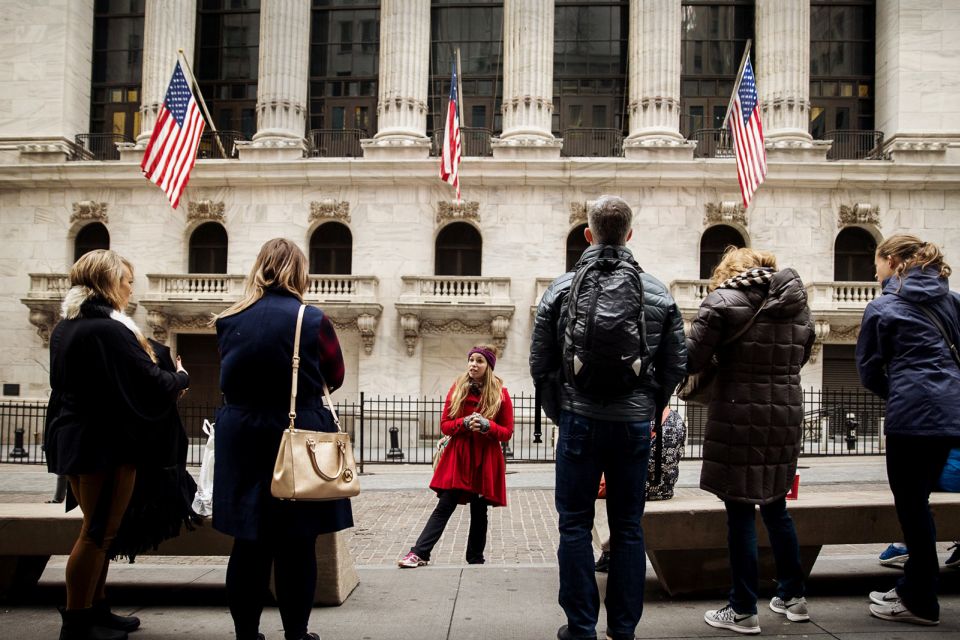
(178,95)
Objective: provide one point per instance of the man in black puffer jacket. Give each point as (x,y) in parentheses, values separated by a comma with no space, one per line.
(605,435)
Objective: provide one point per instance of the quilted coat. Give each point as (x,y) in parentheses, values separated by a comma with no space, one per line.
(755,418)
(473,461)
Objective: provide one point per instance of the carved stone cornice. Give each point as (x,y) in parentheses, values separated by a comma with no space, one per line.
(330,209)
(465,210)
(859,213)
(415,321)
(205,210)
(578,213)
(89,211)
(44,320)
(725,213)
(830,333)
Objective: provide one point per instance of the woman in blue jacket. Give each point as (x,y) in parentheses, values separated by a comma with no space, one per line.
(903,357)
(255,337)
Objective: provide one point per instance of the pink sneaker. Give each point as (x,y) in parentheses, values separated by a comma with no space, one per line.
(411,561)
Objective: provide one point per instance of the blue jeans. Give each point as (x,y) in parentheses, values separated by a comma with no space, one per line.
(914,465)
(586,449)
(742,544)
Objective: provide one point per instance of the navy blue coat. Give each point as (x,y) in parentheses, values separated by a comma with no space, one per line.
(256,349)
(903,358)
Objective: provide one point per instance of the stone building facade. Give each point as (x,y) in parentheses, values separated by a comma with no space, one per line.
(404,328)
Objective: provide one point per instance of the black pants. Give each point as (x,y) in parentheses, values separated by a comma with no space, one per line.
(446,505)
(294,562)
(914,465)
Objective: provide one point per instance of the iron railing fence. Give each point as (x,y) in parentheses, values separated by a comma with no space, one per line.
(405,429)
(474,142)
(97,146)
(335,143)
(592,143)
(713,143)
(210,149)
(849,144)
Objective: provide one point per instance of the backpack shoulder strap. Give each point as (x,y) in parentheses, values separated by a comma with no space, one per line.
(749,323)
(935,319)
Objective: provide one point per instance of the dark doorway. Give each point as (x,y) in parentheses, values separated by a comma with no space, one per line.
(576,245)
(92,236)
(202,359)
(853,254)
(208,249)
(458,251)
(713,244)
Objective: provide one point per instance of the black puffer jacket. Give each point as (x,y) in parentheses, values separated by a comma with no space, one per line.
(754,421)
(664,340)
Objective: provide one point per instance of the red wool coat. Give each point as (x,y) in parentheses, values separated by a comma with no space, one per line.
(473,461)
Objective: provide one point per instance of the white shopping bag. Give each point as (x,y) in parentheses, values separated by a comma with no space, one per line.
(203,501)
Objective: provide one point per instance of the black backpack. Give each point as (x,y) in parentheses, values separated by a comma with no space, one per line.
(605,346)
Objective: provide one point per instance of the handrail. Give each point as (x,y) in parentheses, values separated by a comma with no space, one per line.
(850,144)
(97,146)
(335,143)
(579,142)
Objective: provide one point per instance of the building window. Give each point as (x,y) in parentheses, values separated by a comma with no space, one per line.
(458,250)
(853,254)
(576,245)
(331,249)
(208,249)
(842,35)
(344,64)
(713,244)
(90,237)
(226,62)
(590,65)
(477,30)
(714,34)
(117,65)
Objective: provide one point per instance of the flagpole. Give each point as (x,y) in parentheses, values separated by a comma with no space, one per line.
(193,81)
(736,86)
(460,91)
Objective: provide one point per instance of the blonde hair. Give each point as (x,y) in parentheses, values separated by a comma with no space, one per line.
(280,263)
(99,273)
(736,260)
(910,251)
(491,390)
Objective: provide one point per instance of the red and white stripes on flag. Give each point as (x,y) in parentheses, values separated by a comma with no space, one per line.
(450,157)
(746,131)
(172,150)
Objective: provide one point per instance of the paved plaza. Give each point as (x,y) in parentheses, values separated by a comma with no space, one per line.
(512,596)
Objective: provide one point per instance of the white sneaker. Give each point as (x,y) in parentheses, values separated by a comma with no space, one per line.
(884,598)
(727,618)
(899,613)
(795,608)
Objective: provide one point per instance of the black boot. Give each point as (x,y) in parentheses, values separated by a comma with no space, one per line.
(106,618)
(79,624)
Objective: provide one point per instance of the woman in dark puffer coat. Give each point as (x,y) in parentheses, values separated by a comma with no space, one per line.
(754,421)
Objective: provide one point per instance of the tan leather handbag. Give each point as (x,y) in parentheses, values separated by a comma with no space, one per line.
(313,465)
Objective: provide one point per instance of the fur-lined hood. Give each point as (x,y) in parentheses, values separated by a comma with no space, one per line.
(82,301)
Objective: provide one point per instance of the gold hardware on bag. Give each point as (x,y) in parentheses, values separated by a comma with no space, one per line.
(298,472)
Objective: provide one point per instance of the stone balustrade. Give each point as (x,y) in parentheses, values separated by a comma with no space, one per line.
(841,296)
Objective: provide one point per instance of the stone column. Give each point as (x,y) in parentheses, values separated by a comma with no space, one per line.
(168,25)
(527,81)
(783,75)
(402,87)
(654,81)
(282,81)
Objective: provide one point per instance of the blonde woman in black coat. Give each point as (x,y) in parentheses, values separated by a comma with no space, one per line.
(106,392)
(754,421)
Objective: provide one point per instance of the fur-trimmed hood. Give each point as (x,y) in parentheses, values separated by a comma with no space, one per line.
(83,302)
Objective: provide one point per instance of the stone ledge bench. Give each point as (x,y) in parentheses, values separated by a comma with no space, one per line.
(30,533)
(686,537)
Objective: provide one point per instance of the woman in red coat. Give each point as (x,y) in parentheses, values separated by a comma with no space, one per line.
(478,416)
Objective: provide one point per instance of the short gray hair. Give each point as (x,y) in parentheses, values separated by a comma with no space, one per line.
(610,219)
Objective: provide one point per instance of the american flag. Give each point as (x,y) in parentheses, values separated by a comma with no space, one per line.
(450,158)
(172,149)
(747,133)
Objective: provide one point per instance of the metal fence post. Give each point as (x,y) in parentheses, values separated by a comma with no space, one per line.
(18,451)
(361,431)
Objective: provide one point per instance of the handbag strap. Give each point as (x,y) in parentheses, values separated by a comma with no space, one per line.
(295,376)
(749,323)
(935,319)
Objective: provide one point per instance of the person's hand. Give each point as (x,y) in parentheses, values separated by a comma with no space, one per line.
(483,425)
(180,366)
(470,422)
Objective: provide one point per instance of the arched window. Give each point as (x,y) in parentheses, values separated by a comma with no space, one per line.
(458,250)
(853,255)
(208,249)
(331,249)
(576,245)
(713,243)
(90,237)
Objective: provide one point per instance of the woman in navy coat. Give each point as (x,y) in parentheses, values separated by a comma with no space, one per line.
(903,358)
(255,338)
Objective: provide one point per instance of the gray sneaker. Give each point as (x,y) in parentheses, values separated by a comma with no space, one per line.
(883,598)
(899,613)
(727,618)
(795,608)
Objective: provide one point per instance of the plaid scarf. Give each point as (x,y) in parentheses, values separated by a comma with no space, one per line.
(749,278)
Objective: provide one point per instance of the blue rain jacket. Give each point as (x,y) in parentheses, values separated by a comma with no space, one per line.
(903,358)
